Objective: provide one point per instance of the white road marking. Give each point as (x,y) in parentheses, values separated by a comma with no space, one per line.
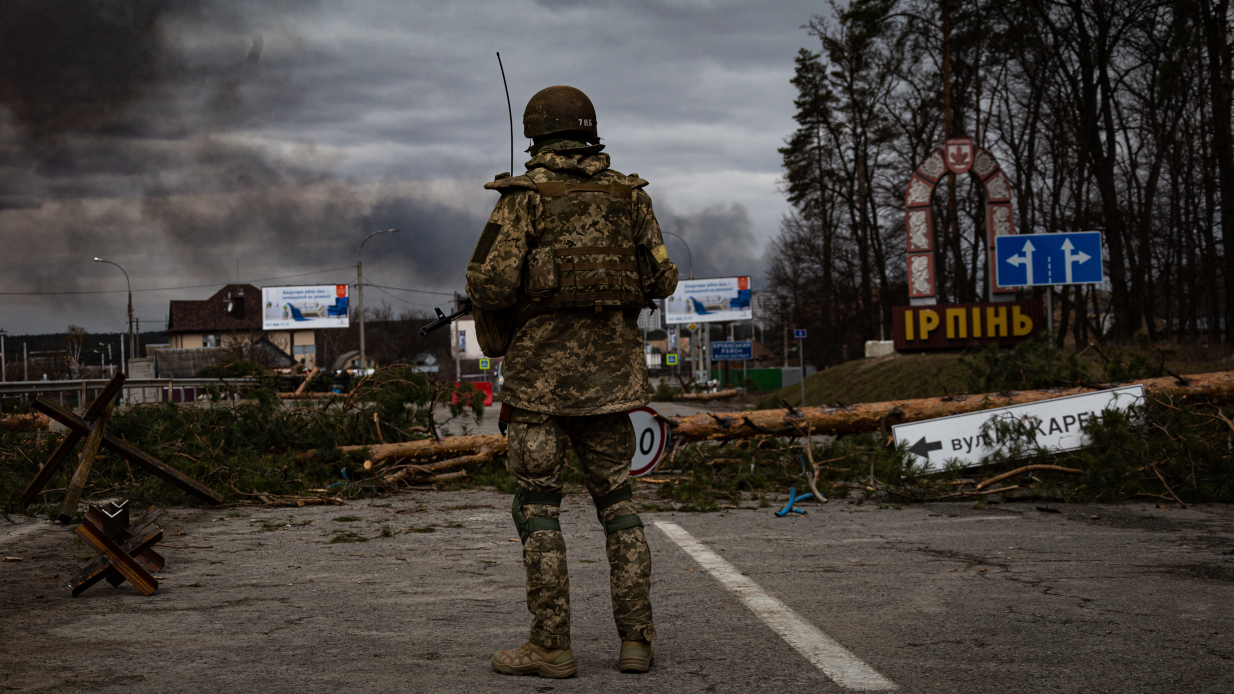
(981,518)
(844,668)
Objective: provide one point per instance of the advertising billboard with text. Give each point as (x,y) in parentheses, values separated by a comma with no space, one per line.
(715,300)
(304,308)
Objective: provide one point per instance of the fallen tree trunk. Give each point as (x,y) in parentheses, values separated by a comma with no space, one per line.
(428,448)
(854,419)
(718,395)
(415,473)
(25,422)
(1217,388)
(440,478)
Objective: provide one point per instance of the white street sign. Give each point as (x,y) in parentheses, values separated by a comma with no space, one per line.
(650,435)
(1059,426)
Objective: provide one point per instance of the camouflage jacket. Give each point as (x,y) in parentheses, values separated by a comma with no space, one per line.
(576,361)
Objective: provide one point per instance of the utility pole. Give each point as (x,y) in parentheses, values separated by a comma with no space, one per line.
(25,363)
(3,365)
(360,289)
(801,351)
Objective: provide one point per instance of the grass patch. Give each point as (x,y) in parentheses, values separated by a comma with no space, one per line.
(1027,366)
(345,536)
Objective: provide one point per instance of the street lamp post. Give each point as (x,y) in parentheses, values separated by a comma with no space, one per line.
(360,288)
(132,337)
(3,364)
(689,255)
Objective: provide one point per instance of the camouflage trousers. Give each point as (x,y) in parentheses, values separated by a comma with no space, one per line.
(604,445)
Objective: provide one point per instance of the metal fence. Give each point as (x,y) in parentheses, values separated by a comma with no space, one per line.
(73,394)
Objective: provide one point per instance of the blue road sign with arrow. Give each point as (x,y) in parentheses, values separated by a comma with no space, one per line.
(1045,259)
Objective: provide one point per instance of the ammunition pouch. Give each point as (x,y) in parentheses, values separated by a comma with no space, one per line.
(526,526)
(631,520)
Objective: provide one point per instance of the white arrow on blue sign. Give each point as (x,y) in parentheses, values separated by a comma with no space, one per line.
(1046,259)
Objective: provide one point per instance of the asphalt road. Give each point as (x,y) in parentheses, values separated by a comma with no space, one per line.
(936,598)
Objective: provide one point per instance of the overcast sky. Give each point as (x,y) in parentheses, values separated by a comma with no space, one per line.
(178,137)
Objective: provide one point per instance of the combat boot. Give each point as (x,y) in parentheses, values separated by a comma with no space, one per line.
(530,659)
(636,656)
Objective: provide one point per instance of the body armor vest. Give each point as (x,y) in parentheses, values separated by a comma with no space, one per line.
(586,256)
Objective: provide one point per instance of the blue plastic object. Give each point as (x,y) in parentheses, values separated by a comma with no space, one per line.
(793,499)
(345,480)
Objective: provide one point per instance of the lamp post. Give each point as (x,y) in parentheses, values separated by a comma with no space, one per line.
(3,364)
(360,288)
(132,337)
(689,255)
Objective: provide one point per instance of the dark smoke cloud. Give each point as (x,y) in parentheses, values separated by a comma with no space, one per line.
(721,240)
(73,64)
(175,136)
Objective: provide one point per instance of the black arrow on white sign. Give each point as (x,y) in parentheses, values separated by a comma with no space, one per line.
(922,448)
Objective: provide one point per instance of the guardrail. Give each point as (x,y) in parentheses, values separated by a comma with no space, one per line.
(137,390)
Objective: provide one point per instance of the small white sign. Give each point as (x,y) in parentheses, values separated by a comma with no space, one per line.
(650,435)
(1059,426)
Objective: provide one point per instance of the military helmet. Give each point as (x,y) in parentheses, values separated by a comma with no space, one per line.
(557,110)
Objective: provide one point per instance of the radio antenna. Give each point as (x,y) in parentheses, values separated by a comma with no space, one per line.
(509,109)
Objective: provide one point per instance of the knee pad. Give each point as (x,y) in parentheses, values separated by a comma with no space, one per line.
(618,495)
(526,526)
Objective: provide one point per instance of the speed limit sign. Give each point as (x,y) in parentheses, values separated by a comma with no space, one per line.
(650,436)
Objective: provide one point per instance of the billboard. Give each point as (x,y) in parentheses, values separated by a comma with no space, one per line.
(715,300)
(304,308)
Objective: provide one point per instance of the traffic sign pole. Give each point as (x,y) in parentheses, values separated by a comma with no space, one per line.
(800,335)
(1049,309)
(801,352)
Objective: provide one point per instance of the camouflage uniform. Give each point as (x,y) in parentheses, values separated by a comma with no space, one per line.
(572,374)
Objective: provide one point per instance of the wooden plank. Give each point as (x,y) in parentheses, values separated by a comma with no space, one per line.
(78,484)
(158,468)
(153,465)
(119,559)
(49,468)
(99,568)
(119,529)
(108,394)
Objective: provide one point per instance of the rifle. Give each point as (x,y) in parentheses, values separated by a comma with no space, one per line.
(443,320)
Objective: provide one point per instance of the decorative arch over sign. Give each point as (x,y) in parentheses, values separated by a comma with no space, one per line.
(959,156)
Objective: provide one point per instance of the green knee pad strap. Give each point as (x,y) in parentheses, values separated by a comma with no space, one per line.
(526,526)
(618,495)
(623,522)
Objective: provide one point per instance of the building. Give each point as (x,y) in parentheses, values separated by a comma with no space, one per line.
(231,319)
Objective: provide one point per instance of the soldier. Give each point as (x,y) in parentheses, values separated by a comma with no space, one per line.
(571,253)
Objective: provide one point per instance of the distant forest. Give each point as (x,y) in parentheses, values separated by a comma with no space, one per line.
(1110,115)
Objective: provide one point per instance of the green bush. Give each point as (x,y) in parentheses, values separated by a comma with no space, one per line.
(254,446)
(664,393)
